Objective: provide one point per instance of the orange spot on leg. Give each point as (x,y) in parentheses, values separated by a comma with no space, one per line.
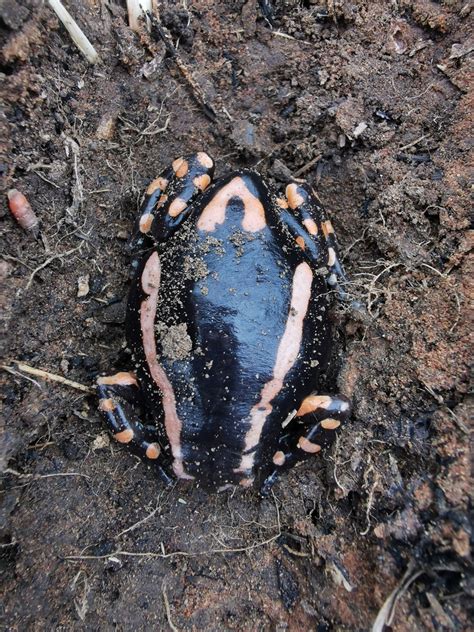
(282,203)
(177,206)
(327,228)
(202,182)
(146,221)
(279,458)
(307,446)
(331,257)
(180,167)
(301,242)
(312,403)
(158,183)
(123,378)
(330,424)
(125,436)
(107,405)
(246,482)
(205,160)
(310,226)
(153,451)
(295,199)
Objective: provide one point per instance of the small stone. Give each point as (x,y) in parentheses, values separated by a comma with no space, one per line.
(106,128)
(323,76)
(83,286)
(280,171)
(101,441)
(244,135)
(151,68)
(360,129)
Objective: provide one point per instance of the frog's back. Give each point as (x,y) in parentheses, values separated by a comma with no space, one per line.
(239,337)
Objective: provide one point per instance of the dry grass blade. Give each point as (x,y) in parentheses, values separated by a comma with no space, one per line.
(387,611)
(75,32)
(137,10)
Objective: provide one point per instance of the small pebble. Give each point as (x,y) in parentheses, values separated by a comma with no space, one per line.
(83,286)
(101,441)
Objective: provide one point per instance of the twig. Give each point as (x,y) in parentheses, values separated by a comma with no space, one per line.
(387,611)
(151,554)
(9,369)
(164,555)
(167,608)
(374,281)
(48,376)
(78,37)
(370,499)
(154,554)
(413,143)
(148,131)
(284,35)
(48,261)
(195,89)
(40,175)
(307,166)
(36,477)
(137,524)
(77,190)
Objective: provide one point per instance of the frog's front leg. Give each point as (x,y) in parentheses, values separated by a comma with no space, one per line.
(119,400)
(307,221)
(314,428)
(168,201)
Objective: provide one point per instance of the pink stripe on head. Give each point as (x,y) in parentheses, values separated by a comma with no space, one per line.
(214,213)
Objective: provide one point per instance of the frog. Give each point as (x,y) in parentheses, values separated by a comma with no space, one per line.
(228,325)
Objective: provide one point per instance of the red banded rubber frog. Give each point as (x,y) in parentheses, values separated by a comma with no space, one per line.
(227,322)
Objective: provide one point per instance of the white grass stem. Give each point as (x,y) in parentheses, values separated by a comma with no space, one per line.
(136,9)
(75,32)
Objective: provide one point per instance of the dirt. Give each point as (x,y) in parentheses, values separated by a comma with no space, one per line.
(371,103)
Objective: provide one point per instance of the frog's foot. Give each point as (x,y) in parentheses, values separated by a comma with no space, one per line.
(169,198)
(320,417)
(119,398)
(313,232)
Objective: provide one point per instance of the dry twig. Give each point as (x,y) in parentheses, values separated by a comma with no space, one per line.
(167,608)
(387,611)
(58,255)
(196,91)
(47,376)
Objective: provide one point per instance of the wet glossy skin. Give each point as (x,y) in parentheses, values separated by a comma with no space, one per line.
(228,324)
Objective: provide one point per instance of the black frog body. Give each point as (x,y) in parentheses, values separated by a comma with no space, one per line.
(228,325)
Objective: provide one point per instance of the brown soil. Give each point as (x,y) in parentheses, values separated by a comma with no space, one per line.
(370,102)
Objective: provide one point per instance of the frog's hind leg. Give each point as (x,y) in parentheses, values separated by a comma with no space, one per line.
(168,200)
(316,424)
(307,221)
(119,399)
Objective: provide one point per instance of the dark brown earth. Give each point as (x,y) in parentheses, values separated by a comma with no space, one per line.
(370,102)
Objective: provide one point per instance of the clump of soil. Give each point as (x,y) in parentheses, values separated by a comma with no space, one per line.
(371,103)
